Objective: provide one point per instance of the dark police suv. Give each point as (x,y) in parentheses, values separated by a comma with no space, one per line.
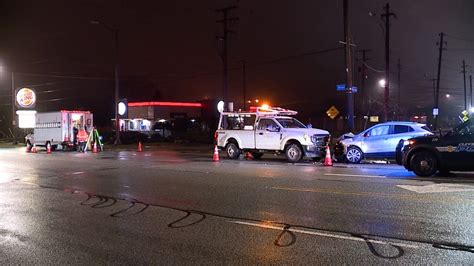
(444,152)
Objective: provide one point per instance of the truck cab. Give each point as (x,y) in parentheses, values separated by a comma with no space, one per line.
(269,130)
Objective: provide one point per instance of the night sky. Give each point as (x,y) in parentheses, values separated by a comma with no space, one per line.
(169,51)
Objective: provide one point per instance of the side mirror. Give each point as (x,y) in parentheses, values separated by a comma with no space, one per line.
(366,134)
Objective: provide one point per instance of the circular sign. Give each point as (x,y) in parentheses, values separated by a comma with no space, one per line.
(26,98)
(122,108)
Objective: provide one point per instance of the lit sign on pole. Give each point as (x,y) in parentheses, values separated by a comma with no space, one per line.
(26,118)
(220,106)
(123,108)
(25,98)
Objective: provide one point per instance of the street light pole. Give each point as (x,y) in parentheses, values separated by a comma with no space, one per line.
(117,120)
(244,77)
(13,110)
(348,60)
(116,69)
(386,16)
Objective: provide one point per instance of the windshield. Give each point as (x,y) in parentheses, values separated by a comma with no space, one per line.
(290,123)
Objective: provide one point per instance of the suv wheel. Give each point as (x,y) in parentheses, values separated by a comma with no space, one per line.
(293,153)
(424,163)
(233,151)
(354,154)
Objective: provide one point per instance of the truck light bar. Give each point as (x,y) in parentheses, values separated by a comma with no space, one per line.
(272,111)
(173,104)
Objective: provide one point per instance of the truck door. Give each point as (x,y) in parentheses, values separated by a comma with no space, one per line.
(267,135)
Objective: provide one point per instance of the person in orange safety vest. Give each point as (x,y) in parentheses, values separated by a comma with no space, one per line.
(82,137)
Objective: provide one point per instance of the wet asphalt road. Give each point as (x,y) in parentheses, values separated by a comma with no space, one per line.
(172,204)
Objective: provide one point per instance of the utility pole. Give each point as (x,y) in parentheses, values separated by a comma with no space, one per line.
(349,72)
(464,79)
(225,31)
(117,89)
(399,67)
(115,31)
(433,81)
(441,42)
(386,16)
(244,83)
(470,85)
(362,92)
(15,141)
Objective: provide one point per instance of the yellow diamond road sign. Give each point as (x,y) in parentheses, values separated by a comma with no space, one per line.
(332,112)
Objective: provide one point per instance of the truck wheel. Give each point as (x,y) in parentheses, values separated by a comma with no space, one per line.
(257,155)
(354,154)
(28,145)
(293,153)
(424,163)
(233,151)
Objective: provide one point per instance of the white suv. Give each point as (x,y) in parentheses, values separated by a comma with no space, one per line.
(269,130)
(380,141)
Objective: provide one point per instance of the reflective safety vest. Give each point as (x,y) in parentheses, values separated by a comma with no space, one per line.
(82,136)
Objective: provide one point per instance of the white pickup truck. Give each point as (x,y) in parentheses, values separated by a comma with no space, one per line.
(269,130)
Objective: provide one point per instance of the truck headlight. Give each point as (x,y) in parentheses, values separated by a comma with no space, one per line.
(306,138)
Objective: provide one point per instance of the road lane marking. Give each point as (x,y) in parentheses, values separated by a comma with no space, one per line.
(345,193)
(307,232)
(370,194)
(351,175)
(438,188)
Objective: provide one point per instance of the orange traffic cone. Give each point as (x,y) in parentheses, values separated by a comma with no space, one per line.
(33,150)
(48,148)
(139,147)
(215,158)
(94,149)
(328,160)
(248,156)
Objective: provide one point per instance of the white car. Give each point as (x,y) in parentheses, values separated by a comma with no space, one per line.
(380,141)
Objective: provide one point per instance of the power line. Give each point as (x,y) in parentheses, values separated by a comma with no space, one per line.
(459,38)
(370,67)
(62,76)
(273,61)
(196,75)
(257,64)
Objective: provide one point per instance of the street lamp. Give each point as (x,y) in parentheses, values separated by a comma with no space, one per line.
(448,96)
(115,32)
(382,83)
